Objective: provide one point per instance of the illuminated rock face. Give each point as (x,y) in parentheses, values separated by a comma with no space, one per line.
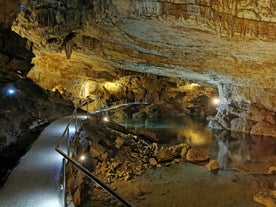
(228,44)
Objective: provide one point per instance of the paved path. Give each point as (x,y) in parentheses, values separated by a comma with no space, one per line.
(35,181)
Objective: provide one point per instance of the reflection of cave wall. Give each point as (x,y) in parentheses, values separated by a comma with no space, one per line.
(241,150)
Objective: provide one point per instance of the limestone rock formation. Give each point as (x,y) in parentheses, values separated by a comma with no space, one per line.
(213,166)
(228,44)
(114,154)
(267,198)
(198,154)
(8,12)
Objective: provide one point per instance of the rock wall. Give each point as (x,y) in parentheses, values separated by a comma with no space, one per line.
(8,12)
(25,108)
(229,44)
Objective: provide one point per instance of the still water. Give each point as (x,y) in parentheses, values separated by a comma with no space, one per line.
(231,150)
(241,182)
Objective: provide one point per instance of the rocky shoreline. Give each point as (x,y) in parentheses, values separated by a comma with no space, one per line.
(130,161)
(114,154)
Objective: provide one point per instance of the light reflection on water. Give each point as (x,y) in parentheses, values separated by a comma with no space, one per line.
(250,153)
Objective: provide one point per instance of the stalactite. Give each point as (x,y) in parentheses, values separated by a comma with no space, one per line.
(69,48)
(68,44)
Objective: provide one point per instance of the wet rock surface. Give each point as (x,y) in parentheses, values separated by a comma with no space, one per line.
(143,171)
(113,153)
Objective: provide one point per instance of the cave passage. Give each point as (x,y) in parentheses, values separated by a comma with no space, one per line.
(36,179)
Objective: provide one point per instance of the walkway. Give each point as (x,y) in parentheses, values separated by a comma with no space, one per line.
(35,181)
(118,105)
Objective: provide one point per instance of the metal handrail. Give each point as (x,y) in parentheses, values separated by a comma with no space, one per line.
(79,165)
(95,179)
(118,104)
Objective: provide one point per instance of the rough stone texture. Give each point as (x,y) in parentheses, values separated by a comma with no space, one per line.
(213,165)
(230,44)
(8,12)
(267,198)
(15,57)
(113,154)
(272,170)
(198,154)
(165,156)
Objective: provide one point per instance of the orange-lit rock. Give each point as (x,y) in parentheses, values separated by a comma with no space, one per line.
(227,44)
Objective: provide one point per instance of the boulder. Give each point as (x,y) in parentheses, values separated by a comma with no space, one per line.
(152,161)
(165,156)
(272,170)
(213,166)
(266,197)
(197,154)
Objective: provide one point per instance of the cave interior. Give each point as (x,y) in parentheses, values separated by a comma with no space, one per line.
(208,66)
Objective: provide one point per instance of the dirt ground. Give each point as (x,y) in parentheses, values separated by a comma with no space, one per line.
(186,185)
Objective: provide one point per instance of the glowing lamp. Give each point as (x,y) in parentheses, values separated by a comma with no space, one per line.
(195,84)
(9,90)
(106,118)
(82,158)
(215,101)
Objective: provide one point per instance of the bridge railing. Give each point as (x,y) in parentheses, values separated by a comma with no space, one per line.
(68,158)
(67,155)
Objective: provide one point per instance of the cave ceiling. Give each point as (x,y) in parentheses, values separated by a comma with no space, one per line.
(208,41)
(86,46)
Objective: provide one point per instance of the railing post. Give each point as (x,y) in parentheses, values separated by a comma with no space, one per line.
(87,109)
(76,122)
(64,182)
(68,141)
(100,100)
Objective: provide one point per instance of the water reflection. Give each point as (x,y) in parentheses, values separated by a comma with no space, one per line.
(173,130)
(231,150)
(250,153)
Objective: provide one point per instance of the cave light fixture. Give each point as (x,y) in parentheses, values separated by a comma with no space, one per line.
(106,118)
(215,101)
(82,158)
(9,90)
(195,84)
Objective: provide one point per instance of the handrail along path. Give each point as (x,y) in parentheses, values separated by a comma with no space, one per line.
(78,165)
